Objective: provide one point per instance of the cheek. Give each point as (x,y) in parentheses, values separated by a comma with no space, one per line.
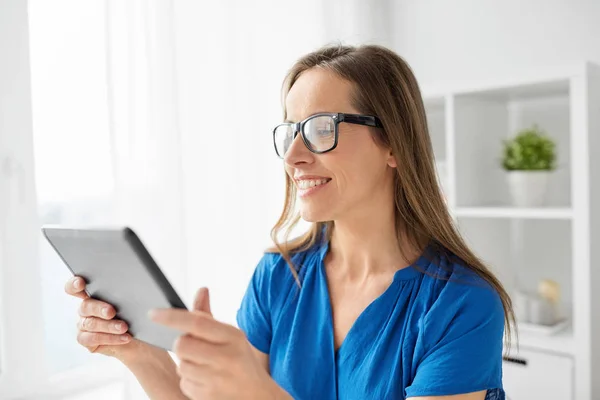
(361,178)
(357,171)
(351,177)
(364,183)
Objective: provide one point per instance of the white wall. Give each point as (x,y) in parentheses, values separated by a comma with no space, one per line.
(476,39)
(356,21)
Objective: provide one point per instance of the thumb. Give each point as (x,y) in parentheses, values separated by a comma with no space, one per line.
(202,301)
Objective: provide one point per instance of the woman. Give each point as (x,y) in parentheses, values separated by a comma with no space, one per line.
(381,299)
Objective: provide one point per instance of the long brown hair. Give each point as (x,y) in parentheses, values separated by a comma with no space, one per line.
(386,87)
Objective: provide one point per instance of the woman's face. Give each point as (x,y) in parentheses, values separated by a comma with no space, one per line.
(353,179)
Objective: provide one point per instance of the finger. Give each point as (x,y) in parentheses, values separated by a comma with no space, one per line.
(191,389)
(93,324)
(91,339)
(202,301)
(198,351)
(96,308)
(196,323)
(199,299)
(192,372)
(76,287)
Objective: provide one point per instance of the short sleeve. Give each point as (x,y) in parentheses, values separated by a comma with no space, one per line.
(460,346)
(254,316)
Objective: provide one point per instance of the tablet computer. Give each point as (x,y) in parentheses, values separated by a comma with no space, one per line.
(119,270)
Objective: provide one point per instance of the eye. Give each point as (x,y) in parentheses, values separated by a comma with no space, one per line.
(325,132)
(324,126)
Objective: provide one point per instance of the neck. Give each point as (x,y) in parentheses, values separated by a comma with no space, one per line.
(368,245)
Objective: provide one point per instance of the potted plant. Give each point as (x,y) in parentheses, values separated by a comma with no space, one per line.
(529,159)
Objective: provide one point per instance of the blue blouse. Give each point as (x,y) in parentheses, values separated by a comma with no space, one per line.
(436,330)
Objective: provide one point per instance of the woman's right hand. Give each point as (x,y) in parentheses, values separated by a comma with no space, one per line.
(99,332)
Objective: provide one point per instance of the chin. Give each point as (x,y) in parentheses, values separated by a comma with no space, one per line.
(310,214)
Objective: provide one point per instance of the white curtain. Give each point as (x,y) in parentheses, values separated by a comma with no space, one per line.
(145,135)
(19,272)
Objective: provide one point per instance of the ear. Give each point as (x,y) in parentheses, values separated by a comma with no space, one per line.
(391,160)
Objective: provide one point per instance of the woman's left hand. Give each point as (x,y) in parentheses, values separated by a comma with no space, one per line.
(217,362)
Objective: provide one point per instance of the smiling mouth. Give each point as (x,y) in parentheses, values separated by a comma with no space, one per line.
(311,183)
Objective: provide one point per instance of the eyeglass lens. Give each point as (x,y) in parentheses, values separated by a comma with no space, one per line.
(319,133)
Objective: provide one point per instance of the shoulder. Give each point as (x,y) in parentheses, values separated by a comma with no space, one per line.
(273,274)
(269,264)
(459,341)
(273,283)
(460,299)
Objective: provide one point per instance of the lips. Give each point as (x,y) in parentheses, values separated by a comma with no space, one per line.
(310,183)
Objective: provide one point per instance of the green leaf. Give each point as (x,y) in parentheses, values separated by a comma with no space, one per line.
(531,149)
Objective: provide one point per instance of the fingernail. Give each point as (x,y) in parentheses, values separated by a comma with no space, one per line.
(105,312)
(152,314)
(119,326)
(125,338)
(77,283)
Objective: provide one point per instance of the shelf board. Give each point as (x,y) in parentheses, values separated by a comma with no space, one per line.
(514,212)
(560,343)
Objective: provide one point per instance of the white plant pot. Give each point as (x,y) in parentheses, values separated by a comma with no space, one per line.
(528,188)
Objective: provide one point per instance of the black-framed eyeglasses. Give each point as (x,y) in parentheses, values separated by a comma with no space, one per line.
(319,132)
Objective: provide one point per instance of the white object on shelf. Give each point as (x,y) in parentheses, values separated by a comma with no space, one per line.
(528,327)
(528,188)
(521,305)
(562,342)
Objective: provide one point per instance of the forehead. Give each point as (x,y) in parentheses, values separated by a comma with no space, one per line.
(318,90)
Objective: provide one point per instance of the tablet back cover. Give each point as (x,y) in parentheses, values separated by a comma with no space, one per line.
(120,271)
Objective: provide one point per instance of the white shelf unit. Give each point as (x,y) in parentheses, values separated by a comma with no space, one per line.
(559,241)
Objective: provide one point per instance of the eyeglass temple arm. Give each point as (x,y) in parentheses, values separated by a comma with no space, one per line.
(360,120)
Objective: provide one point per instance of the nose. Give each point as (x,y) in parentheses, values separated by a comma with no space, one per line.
(298,153)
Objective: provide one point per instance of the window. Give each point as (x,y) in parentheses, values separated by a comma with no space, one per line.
(72,156)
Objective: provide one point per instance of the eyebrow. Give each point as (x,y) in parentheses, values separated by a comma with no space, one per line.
(289,121)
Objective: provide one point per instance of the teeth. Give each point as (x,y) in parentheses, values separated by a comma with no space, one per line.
(307,184)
